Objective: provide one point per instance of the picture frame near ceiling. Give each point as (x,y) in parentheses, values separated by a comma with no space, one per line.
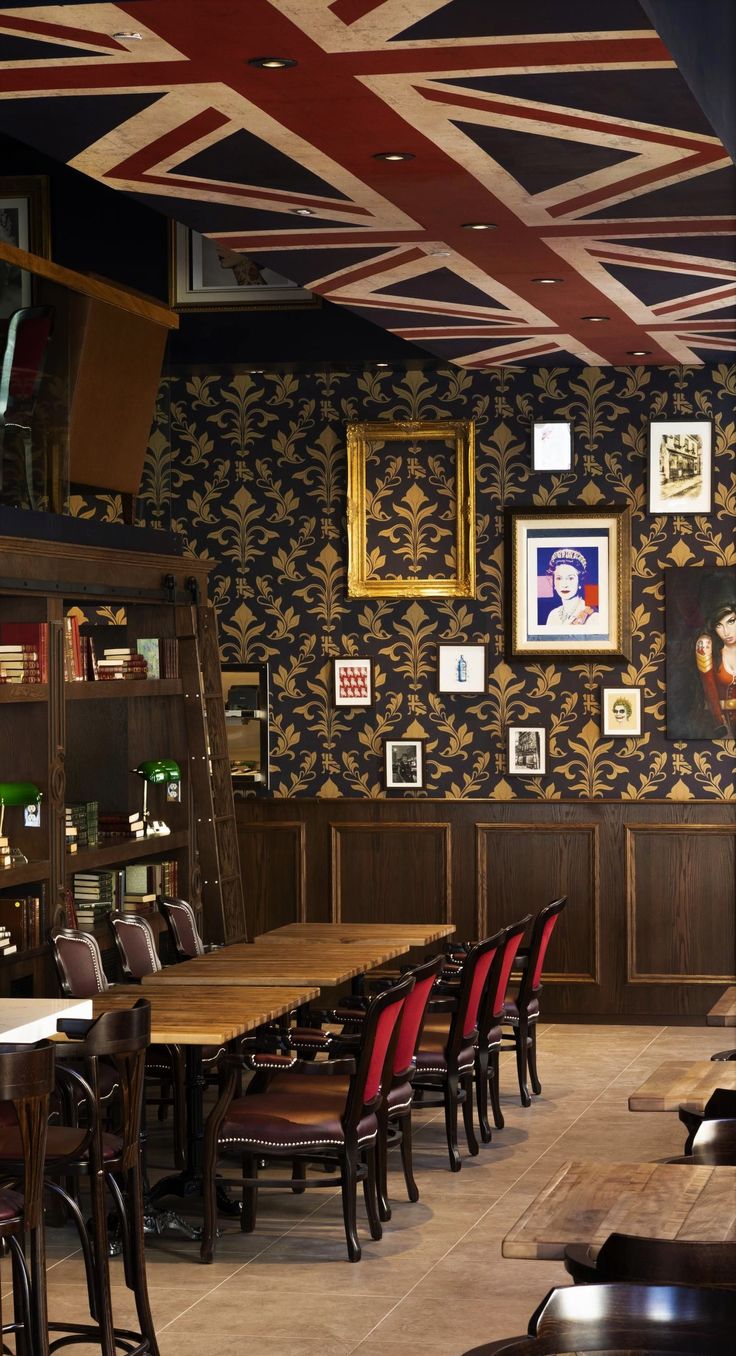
(551,445)
(680,478)
(700,652)
(206,275)
(411,509)
(461,669)
(352,681)
(570,582)
(527,750)
(620,712)
(403,763)
(24,224)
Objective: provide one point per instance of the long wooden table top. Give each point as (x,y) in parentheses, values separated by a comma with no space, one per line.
(323,964)
(723,1013)
(680,1083)
(25,1020)
(585,1202)
(205,1015)
(412,934)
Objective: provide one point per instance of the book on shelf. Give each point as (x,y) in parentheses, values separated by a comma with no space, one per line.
(113,826)
(149,648)
(21,921)
(83,818)
(32,639)
(143,879)
(73,668)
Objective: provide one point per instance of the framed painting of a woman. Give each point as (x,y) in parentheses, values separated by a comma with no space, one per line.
(700,638)
(569,577)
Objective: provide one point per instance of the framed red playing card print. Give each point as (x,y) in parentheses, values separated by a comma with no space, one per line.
(353,682)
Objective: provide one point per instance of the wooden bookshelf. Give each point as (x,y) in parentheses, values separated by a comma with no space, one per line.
(121,689)
(126,850)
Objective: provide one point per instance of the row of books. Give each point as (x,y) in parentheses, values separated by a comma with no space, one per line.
(110,827)
(82,823)
(6,857)
(95,895)
(21,923)
(89,655)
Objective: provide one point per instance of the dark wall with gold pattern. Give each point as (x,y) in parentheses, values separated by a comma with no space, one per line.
(251,469)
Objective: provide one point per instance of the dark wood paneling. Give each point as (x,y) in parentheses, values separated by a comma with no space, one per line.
(523,866)
(272,859)
(381,872)
(681,903)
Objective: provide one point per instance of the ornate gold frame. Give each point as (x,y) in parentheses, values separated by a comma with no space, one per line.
(360,438)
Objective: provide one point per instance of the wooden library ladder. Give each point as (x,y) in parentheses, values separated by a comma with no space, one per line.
(209,768)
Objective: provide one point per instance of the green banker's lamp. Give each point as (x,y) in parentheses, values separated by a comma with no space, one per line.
(154,771)
(17,793)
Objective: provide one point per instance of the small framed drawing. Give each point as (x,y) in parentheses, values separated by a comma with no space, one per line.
(352,682)
(205,275)
(404,764)
(680,466)
(620,711)
(551,445)
(527,750)
(461,668)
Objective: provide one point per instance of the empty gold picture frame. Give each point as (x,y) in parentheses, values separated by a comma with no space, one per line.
(411,509)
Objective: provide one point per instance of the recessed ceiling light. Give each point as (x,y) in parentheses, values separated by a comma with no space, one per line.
(271,63)
(638,352)
(129,37)
(393,155)
(547,281)
(381,364)
(595,319)
(302,211)
(479,226)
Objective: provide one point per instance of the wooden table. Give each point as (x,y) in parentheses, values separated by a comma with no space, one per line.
(326,965)
(206,1016)
(25,1020)
(723,1013)
(412,934)
(678,1083)
(585,1202)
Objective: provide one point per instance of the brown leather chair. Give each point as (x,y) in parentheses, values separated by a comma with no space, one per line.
(656,1261)
(297,1120)
(721,1106)
(182,925)
(26,1083)
(522,1012)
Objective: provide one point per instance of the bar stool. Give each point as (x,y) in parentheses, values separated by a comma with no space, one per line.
(26,1083)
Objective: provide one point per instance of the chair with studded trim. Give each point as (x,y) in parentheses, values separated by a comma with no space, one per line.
(488,1045)
(182,925)
(522,1012)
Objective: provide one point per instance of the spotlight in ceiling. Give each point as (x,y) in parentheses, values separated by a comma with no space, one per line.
(271,63)
(393,155)
(479,226)
(638,352)
(547,282)
(302,211)
(381,364)
(595,319)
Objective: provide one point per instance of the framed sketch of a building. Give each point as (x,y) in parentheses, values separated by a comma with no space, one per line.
(680,466)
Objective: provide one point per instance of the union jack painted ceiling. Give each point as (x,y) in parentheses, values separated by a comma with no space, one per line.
(566,125)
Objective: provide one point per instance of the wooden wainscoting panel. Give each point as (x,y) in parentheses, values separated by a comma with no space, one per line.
(681,903)
(522,866)
(391,872)
(273,863)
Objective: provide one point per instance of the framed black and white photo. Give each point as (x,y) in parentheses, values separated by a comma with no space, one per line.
(527,750)
(404,764)
(680,466)
(461,668)
(352,682)
(620,711)
(24,223)
(551,445)
(205,275)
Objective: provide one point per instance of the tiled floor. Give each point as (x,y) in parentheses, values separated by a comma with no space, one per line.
(436,1282)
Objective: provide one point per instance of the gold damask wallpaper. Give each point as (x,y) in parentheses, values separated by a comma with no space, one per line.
(251,469)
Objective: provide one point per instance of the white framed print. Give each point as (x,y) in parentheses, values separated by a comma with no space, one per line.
(551,445)
(461,668)
(527,750)
(620,711)
(404,764)
(352,681)
(680,466)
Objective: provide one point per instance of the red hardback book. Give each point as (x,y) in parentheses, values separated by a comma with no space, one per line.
(32,634)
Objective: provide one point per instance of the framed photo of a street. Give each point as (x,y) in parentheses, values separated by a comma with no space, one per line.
(352,681)
(461,668)
(404,764)
(620,712)
(527,750)
(700,650)
(551,445)
(680,466)
(205,275)
(570,588)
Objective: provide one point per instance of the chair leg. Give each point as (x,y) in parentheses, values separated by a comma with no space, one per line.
(521,1039)
(101,1265)
(298,1176)
(22,1301)
(250,1194)
(131,1220)
(481,1094)
(532,1058)
(473,1146)
(348,1179)
(495,1089)
(28,466)
(384,1209)
(451,1087)
(370,1192)
(412,1190)
(209,1168)
(180,1115)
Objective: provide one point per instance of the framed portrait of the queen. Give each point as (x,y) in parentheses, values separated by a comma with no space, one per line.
(570,582)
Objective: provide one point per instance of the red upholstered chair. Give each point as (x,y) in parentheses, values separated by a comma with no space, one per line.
(522,1012)
(182,925)
(445,1060)
(311,1111)
(29,331)
(488,1046)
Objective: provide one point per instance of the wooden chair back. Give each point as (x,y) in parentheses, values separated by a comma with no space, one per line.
(542,928)
(136,946)
(666,1261)
(182,925)
(374,1057)
(78,962)
(413,1015)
